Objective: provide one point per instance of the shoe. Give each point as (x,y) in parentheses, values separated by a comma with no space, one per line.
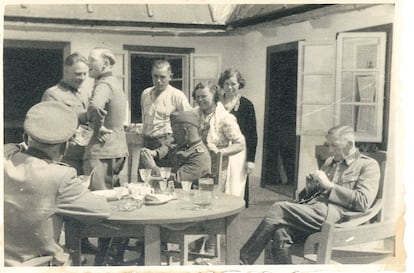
(88,248)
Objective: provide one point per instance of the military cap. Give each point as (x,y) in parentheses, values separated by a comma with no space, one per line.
(189,117)
(50,122)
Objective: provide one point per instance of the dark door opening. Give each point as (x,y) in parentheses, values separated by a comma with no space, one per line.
(280,153)
(28,72)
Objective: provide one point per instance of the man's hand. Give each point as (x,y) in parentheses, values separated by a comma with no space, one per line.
(104,134)
(322,179)
(147,158)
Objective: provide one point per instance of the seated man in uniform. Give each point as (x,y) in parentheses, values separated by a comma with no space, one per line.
(188,157)
(38,189)
(348,181)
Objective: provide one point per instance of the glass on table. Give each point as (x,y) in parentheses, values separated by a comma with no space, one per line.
(202,199)
(165,172)
(145,174)
(186,185)
(163,185)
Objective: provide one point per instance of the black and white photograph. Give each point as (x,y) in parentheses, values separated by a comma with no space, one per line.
(204,136)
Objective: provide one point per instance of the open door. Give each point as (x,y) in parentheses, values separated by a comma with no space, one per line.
(280,151)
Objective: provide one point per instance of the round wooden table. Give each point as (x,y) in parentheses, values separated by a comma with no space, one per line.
(176,215)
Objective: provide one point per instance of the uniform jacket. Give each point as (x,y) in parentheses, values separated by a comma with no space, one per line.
(189,163)
(37,192)
(356,181)
(77,100)
(107,108)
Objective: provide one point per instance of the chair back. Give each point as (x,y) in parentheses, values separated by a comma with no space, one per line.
(216,167)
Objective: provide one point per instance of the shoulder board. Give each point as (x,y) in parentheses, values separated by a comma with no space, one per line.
(200,149)
(60,163)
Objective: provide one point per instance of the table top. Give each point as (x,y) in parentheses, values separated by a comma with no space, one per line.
(178,211)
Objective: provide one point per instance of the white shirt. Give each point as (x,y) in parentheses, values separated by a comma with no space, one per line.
(156,112)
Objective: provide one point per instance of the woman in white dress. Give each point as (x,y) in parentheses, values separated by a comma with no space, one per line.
(220,132)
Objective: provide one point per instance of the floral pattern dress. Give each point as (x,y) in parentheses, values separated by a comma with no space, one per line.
(220,129)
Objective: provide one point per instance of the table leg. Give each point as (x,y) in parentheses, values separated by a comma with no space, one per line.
(152,243)
(73,242)
(233,240)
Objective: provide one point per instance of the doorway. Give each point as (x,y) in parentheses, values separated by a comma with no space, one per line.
(281,149)
(30,67)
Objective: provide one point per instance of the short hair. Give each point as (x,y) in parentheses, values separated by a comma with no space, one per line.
(106,54)
(230,73)
(210,86)
(344,132)
(75,58)
(159,64)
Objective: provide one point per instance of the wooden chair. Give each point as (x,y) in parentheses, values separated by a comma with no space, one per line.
(185,239)
(357,229)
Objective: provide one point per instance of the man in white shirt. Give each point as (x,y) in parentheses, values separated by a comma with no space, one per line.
(157,104)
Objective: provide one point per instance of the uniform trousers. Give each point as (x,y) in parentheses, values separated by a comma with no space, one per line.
(284,223)
(106,173)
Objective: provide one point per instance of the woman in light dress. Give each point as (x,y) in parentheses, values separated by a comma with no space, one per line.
(219,131)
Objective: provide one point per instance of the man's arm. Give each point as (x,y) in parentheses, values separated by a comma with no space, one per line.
(96,110)
(363,194)
(75,200)
(195,167)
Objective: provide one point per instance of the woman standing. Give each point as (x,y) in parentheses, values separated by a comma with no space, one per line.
(231,81)
(218,129)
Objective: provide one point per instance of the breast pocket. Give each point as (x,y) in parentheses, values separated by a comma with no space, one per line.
(349,180)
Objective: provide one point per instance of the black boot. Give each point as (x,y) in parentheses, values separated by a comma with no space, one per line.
(281,253)
(256,243)
(87,247)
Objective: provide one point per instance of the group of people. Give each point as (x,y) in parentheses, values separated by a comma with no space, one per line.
(225,120)
(41,182)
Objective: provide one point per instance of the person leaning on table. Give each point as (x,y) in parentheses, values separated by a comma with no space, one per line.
(188,156)
(39,190)
(347,181)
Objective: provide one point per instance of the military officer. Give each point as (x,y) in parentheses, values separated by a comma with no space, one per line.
(348,181)
(38,189)
(71,92)
(188,156)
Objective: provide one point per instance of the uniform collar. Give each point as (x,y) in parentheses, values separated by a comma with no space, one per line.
(349,159)
(37,153)
(67,86)
(105,74)
(188,146)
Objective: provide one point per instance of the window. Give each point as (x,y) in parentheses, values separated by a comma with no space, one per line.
(360,83)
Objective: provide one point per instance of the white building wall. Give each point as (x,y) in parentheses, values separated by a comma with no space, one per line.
(246,51)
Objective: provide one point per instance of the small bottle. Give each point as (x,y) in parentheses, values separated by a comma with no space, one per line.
(171,187)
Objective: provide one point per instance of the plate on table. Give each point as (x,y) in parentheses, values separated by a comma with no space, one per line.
(156,199)
(112,195)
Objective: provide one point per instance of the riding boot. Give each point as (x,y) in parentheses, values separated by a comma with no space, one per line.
(256,243)
(281,253)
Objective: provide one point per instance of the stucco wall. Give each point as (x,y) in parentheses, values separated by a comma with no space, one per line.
(246,51)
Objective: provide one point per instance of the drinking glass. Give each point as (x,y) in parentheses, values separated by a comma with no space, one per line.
(163,185)
(165,172)
(145,174)
(186,185)
(202,199)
